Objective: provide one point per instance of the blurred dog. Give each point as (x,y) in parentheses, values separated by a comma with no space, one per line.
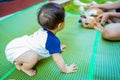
(89,17)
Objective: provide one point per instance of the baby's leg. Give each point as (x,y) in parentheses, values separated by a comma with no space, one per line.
(112,32)
(27,61)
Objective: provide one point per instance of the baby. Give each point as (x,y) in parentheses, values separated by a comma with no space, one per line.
(26,51)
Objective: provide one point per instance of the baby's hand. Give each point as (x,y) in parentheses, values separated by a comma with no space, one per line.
(71,68)
(63,47)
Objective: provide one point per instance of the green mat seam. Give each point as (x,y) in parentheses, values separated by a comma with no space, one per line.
(92,64)
(8,73)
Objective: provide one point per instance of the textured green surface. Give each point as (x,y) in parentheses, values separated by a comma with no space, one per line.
(96,58)
(107,64)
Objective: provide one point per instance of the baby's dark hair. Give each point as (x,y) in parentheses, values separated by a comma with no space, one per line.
(50,15)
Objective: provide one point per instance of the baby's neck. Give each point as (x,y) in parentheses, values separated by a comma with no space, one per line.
(53,31)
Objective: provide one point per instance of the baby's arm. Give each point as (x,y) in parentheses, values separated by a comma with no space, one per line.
(61,64)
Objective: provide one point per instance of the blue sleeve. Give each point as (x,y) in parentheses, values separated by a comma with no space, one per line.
(53,45)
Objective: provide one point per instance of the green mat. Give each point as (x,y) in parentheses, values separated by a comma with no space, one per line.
(96,58)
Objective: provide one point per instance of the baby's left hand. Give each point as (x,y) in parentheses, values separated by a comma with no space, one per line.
(63,47)
(71,68)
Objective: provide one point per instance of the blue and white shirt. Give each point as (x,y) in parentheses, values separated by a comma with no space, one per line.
(44,43)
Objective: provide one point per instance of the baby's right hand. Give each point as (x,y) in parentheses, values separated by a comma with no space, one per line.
(71,68)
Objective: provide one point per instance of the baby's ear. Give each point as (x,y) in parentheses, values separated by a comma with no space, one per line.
(60,25)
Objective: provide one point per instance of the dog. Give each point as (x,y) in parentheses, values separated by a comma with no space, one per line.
(89,17)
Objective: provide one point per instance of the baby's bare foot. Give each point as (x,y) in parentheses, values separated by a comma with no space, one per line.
(30,72)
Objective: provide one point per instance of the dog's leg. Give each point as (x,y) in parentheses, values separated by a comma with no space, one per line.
(98,27)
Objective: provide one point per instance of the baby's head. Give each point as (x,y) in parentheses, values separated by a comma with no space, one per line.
(51,15)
